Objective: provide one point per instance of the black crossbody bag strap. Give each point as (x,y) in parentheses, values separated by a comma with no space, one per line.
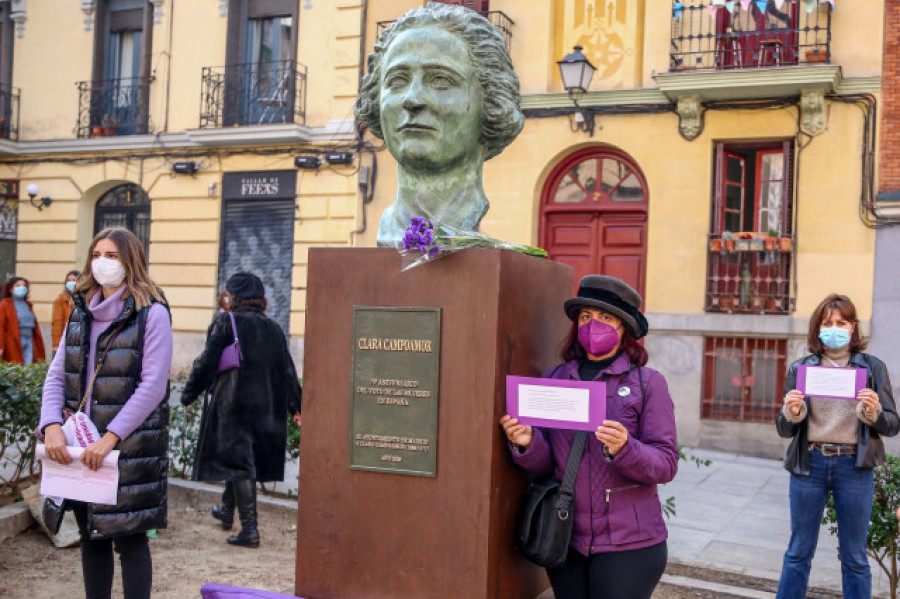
(567,488)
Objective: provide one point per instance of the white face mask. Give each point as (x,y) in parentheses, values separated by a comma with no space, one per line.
(108,272)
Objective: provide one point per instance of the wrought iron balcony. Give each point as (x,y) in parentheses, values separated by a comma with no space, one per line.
(113,107)
(749,275)
(707,36)
(497,18)
(253,94)
(9,113)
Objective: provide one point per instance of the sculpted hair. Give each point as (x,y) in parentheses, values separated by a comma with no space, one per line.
(847,310)
(138,283)
(502,118)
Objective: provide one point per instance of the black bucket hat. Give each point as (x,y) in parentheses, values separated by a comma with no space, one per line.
(245,285)
(611,295)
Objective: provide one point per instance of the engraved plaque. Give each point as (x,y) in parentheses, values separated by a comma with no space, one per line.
(394,410)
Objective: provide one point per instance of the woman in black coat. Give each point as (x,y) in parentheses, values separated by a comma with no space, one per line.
(243,430)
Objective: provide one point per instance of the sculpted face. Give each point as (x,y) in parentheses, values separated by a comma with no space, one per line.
(431,103)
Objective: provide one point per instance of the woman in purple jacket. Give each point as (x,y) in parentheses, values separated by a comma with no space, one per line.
(618,547)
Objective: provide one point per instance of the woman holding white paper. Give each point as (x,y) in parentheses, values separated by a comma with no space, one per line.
(618,545)
(835,444)
(113,365)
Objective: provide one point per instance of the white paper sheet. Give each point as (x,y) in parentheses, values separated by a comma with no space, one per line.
(554,403)
(830,382)
(77,481)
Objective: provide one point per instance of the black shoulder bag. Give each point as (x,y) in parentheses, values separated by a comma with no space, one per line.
(545,525)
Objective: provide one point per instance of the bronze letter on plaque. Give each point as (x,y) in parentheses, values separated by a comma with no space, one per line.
(394,410)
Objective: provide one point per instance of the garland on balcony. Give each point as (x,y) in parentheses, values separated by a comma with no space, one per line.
(761,5)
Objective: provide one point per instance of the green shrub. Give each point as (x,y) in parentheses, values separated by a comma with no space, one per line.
(184,432)
(21,388)
(882,540)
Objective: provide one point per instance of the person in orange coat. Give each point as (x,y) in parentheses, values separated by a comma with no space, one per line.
(62,308)
(20,334)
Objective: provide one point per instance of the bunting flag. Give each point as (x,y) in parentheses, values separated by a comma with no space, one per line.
(712,9)
(810,5)
(761,5)
(676,10)
(729,4)
(745,4)
(778,4)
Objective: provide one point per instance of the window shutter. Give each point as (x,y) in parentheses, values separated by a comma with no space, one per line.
(258,236)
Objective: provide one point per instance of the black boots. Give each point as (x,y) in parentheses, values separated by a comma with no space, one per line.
(245,494)
(225,512)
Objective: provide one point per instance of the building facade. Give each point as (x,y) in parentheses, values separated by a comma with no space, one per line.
(724,161)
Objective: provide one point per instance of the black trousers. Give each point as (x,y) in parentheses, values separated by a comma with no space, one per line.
(617,575)
(97,564)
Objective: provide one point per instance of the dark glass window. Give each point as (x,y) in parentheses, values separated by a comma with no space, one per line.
(125,206)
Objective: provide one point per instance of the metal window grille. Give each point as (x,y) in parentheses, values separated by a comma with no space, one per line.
(706,35)
(253,94)
(743,378)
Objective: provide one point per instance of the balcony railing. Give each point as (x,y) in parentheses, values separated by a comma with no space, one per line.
(749,275)
(497,18)
(9,113)
(113,107)
(253,94)
(710,37)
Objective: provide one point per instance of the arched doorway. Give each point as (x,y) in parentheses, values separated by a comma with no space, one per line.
(594,215)
(125,206)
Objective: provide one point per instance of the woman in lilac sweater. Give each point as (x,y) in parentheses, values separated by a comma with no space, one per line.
(618,546)
(113,363)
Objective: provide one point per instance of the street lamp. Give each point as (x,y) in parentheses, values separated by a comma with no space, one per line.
(33,190)
(576,72)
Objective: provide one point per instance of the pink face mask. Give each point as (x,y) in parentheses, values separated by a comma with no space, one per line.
(598,338)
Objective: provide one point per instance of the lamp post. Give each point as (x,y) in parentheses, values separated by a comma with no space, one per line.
(576,72)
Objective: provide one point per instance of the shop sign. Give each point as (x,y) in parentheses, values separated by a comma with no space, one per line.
(260,185)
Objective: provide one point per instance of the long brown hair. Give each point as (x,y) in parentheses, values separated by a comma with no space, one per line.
(572,349)
(138,283)
(844,307)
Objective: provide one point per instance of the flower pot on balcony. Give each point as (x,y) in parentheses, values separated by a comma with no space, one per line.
(729,244)
(757,303)
(816,55)
(771,243)
(772,304)
(715,245)
(784,243)
(109,131)
(726,303)
(97,132)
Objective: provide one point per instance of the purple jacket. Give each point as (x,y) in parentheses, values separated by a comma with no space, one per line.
(616,504)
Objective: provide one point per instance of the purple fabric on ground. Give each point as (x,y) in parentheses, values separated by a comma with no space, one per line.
(211,590)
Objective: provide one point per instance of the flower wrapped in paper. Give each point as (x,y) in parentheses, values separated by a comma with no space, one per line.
(425,240)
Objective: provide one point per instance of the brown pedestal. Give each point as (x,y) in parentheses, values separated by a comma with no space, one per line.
(368,535)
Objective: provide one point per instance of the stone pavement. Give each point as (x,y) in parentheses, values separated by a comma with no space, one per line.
(734,516)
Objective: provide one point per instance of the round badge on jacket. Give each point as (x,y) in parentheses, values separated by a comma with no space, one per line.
(624,391)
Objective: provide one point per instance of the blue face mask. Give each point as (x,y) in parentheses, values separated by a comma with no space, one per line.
(70,286)
(834,337)
(20,291)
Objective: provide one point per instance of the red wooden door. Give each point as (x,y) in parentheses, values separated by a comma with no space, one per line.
(594,216)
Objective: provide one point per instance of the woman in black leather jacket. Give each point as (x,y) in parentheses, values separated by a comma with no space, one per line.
(835,443)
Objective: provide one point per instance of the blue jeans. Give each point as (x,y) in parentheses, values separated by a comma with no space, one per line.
(853,491)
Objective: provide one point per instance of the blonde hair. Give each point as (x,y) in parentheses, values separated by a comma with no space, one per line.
(138,283)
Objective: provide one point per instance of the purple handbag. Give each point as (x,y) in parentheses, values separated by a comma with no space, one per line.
(231,355)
